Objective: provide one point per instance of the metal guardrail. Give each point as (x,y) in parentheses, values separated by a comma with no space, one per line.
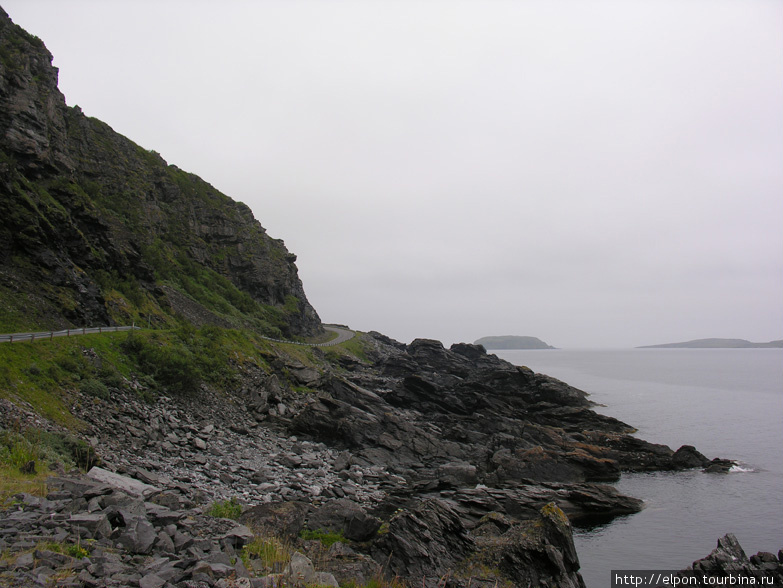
(342,335)
(48,335)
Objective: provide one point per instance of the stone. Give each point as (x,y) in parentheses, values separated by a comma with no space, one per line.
(238,536)
(97,524)
(124,483)
(325,579)
(300,570)
(426,542)
(344,516)
(151,581)
(687,457)
(281,519)
(137,536)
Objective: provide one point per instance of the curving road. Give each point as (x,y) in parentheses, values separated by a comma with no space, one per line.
(343,335)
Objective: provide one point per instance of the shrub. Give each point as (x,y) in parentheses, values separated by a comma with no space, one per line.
(227,509)
(95,388)
(112,378)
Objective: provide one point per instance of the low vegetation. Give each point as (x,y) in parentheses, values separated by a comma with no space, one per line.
(27,458)
(45,375)
(327,538)
(226,509)
(271,553)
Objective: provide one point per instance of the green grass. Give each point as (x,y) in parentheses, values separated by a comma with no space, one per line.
(226,509)
(327,538)
(41,449)
(273,553)
(46,374)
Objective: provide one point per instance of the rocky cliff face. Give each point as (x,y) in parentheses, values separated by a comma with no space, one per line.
(94,226)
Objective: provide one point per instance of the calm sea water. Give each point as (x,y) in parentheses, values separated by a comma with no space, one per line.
(727,403)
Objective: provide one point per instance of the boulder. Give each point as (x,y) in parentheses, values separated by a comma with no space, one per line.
(300,570)
(687,457)
(281,519)
(344,516)
(137,535)
(124,483)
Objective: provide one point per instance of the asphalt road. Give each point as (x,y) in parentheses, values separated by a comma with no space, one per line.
(343,335)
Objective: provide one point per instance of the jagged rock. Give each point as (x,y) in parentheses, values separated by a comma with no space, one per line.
(137,535)
(728,559)
(425,543)
(346,517)
(538,552)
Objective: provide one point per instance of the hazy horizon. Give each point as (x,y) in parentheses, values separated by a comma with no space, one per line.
(595,174)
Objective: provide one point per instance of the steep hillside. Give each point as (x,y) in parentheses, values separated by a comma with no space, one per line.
(98,230)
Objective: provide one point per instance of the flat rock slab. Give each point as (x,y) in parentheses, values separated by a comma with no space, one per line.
(124,483)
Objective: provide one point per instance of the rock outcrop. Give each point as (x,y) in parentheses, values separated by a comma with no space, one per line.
(728,565)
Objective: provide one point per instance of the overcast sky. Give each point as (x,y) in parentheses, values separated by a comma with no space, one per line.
(592,173)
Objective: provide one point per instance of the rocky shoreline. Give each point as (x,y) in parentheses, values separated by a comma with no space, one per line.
(432,465)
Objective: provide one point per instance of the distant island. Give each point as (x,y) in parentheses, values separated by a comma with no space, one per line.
(512,342)
(715,344)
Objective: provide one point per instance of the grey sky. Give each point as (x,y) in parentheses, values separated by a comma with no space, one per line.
(593,173)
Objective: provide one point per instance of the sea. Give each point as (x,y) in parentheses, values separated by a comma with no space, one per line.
(727,403)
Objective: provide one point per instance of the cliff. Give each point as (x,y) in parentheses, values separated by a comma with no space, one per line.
(98,230)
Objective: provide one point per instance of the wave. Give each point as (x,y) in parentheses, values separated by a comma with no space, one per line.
(742,469)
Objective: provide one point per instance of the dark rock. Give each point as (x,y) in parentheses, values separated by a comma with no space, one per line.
(729,559)
(282,519)
(28,468)
(346,517)
(687,457)
(137,535)
(538,552)
(719,466)
(424,544)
